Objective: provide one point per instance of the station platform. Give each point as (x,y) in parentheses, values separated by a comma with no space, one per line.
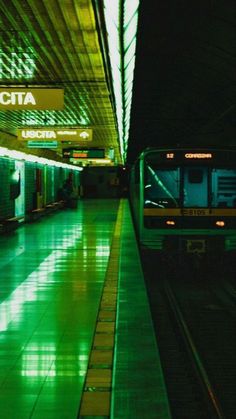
(76,335)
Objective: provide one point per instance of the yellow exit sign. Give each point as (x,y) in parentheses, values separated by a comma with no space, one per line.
(57,134)
(32,99)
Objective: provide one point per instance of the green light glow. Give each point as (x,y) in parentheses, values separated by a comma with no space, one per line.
(17,56)
(39,361)
(19,155)
(130,8)
(129,54)
(122,37)
(30,289)
(49,118)
(130,30)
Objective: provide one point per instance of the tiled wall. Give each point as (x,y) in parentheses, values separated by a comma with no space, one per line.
(52,180)
(7,206)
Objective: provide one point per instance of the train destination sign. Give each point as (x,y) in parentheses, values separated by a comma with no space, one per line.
(55,134)
(190,155)
(32,99)
(198,155)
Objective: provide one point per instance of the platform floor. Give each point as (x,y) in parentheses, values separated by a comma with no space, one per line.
(76,336)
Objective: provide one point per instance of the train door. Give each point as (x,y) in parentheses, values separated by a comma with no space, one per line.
(20,199)
(195,186)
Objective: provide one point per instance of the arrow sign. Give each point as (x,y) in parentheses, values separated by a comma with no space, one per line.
(84,135)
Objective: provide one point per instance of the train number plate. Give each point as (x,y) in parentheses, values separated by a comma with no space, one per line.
(195,212)
(196,246)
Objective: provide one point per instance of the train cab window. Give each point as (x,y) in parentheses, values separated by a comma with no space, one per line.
(162,187)
(195,176)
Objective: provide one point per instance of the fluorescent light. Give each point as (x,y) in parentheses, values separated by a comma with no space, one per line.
(121,22)
(19,155)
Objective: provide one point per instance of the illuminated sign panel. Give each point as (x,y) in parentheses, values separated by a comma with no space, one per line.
(33,99)
(42,144)
(84,153)
(178,156)
(57,134)
(190,155)
(198,155)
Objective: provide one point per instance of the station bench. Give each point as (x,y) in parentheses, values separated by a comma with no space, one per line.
(10,224)
(37,213)
(53,206)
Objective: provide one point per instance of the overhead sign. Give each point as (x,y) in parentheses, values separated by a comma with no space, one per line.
(32,99)
(90,153)
(56,134)
(42,144)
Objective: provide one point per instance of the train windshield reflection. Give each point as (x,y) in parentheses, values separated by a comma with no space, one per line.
(189,186)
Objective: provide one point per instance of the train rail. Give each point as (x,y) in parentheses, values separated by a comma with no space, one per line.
(226,295)
(209,397)
(194,320)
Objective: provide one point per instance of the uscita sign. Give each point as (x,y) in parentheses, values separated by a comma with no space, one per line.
(37,99)
(38,134)
(17,98)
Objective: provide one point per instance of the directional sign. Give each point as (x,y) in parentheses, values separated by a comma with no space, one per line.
(94,153)
(84,135)
(55,134)
(33,99)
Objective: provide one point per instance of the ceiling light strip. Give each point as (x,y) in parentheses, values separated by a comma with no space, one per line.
(19,155)
(121,17)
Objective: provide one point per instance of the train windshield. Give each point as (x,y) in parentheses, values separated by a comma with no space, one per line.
(162,187)
(189,186)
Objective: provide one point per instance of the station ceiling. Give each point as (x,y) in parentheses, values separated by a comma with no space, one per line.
(183,91)
(65,44)
(185,74)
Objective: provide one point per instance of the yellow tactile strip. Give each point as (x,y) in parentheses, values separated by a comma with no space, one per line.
(96,396)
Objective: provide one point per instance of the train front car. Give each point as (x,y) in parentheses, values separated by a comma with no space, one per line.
(184,200)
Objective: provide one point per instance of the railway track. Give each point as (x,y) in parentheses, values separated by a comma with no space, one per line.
(195,329)
(209,400)
(226,295)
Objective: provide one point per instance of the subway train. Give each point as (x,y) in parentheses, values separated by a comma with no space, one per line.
(183,200)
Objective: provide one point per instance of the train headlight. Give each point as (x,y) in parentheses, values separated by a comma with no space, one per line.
(170,223)
(220,223)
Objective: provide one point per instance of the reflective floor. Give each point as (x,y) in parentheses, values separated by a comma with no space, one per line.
(52,274)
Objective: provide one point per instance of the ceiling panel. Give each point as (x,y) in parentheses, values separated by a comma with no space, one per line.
(54,43)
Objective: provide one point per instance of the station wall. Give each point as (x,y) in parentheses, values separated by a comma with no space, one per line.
(25,186)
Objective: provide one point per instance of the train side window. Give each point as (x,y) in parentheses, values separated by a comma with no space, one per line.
(195,176)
